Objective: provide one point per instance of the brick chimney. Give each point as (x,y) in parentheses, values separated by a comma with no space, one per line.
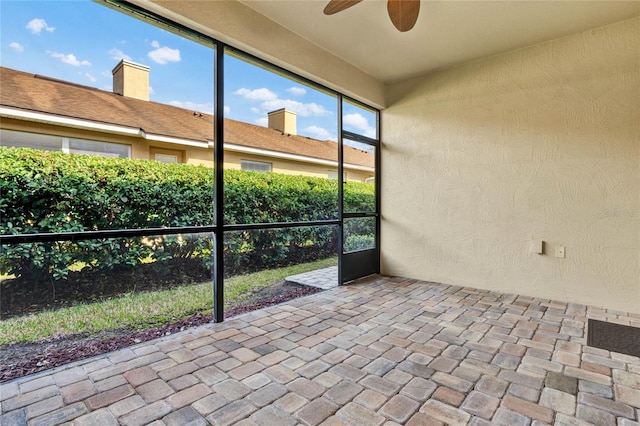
(131,80)
(283,121)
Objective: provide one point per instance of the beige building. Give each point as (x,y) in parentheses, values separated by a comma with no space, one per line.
(37,111)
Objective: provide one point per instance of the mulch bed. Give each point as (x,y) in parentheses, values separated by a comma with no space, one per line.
(43,355)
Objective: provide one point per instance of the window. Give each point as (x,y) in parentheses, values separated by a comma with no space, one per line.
(13,139)
(166,158)
(167,155)
(333,175)
(101,149)
(255,166)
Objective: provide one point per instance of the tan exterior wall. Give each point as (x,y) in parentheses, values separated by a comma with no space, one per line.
(199,156)
(232,161)
(539,143)
(192,155)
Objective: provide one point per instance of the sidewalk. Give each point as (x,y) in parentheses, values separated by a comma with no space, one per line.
(322,278)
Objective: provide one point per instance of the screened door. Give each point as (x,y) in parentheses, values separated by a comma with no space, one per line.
(360,254)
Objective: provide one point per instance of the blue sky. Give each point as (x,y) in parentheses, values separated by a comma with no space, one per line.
(81,41)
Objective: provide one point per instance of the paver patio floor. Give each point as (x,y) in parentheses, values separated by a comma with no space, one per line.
(383,351)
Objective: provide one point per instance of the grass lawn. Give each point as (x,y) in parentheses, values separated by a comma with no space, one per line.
(142,310)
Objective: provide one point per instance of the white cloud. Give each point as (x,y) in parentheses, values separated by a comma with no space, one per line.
(68,59)
(118,54)
(16,46)
(90,77)
(227,110)
(271,102)
(163,55)
(151,91)
(264,121)
(298,91)
(319,133)
(360,123)
(193,106)
(303,110)
(263,94)
(36,25)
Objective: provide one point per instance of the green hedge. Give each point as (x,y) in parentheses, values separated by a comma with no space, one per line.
(56,192)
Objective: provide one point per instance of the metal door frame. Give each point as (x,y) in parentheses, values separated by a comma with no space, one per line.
(362,263)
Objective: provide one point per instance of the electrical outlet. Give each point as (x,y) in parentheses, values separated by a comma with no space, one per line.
(560,251)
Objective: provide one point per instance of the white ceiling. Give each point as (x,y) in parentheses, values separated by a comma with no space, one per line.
(447,32)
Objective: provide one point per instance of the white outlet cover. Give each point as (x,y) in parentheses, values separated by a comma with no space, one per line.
(537,246)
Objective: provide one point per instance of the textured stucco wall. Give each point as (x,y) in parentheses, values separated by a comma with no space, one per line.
(538,143)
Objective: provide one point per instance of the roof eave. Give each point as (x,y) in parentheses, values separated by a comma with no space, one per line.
(21,114)
(58,120)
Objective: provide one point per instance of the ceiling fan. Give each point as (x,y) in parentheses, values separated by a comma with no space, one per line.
(403,13)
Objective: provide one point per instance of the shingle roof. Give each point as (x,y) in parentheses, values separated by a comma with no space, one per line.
(37,93)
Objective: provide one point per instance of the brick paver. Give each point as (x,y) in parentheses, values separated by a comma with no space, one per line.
(291,402)
(386,351)
(271,415)
(43,407)
(317,411)
(61,415)
(185,416)
(109,397)
(444,412)
(140,375)
(343,392)
(188,396)
(232,413)
(154,390)
(146,414)
(449,396)
(558,401)
(77,391)
(101,417)
(399,408)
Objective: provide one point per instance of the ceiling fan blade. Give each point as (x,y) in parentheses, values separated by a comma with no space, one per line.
(403,13)
(336,6)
